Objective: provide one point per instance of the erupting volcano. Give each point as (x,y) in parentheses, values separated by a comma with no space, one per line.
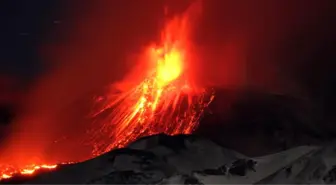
(154,106)
(165,101)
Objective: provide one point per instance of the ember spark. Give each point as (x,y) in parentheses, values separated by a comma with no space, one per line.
(166,101)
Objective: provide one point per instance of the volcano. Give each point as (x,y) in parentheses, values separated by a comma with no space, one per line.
(225,152)
(162,98)
(235,134)
(156,103)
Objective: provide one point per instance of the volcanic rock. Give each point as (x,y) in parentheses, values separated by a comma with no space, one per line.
(187,159)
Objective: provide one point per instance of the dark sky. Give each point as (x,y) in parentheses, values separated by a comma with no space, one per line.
(286,39)
(24,24)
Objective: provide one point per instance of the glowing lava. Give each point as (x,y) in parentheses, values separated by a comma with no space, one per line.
(164,102)
(8,172)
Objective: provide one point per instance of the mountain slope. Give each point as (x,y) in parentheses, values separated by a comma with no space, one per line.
(182,159)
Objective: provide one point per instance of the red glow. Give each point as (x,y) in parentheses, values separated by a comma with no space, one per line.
(165,101)
(156,105)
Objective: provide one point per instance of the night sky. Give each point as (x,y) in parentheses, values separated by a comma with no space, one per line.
(23,27)
(25,24)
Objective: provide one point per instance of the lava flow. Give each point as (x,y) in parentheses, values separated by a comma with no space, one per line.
(166,101)
(10,171)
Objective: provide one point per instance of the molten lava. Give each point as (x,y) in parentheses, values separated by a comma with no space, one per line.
(10,171)
(166,101)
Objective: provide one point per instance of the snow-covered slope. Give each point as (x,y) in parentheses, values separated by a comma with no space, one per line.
(162,159)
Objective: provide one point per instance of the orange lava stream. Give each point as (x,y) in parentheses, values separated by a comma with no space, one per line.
(164,102)
(8,172)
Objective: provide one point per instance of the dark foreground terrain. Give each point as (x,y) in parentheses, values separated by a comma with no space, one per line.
(181,159)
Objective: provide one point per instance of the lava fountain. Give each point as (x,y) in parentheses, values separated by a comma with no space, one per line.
(166,101)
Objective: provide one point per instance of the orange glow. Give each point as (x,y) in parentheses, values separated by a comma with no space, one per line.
(169,66)
(8,172)
(164,102)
